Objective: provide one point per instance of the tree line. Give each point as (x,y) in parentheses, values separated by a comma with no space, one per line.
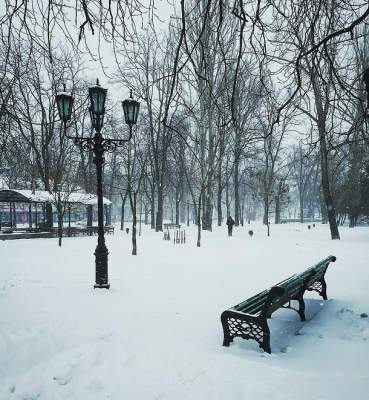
(244,104)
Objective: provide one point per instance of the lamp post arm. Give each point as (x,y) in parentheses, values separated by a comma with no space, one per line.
(122,141)
(66,134)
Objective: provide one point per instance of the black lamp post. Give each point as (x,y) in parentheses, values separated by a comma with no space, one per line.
(99,145)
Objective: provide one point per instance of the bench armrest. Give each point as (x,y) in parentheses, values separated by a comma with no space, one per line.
(275,292)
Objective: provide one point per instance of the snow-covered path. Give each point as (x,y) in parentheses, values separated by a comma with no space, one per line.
(156,333)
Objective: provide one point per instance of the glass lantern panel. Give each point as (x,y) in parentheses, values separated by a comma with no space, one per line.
(95,101)
(131,113)
(67,105)
(137,108)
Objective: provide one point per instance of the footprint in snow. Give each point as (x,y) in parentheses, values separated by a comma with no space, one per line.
(286,349)
(62,380)
(344,313)
(357,325)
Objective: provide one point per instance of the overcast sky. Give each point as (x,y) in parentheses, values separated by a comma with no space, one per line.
(164,9)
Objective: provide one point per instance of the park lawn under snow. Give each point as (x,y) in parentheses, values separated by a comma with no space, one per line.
(156,334)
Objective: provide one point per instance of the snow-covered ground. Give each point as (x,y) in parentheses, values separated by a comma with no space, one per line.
(156,334)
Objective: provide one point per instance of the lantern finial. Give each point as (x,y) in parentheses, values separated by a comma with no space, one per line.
(97,82)
(64,87)
(130,94)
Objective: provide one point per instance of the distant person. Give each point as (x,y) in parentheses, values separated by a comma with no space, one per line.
(230,223)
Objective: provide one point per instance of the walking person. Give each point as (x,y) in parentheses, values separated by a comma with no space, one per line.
(230,223)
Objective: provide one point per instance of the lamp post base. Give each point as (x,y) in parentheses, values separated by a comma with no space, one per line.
(102,286)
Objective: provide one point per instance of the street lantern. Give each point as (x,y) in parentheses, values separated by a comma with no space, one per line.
(97,96)
(130,108)
(64,102)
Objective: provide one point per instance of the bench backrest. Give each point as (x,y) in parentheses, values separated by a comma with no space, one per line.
(271,299)
(315,272)
(263,301)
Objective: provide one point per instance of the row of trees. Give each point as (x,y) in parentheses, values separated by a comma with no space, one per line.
(242,105)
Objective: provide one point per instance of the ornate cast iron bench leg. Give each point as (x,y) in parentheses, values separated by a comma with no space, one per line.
(237,324)
(301,310)
(227,337)
(265,345)
(320,286)
(324,288)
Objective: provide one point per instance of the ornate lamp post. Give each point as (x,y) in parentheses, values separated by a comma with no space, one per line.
(99,145)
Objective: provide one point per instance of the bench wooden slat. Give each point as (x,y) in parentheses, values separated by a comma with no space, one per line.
(244,304)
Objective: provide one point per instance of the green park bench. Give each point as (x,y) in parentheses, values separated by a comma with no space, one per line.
(109,229)
(248,319)
(172,226)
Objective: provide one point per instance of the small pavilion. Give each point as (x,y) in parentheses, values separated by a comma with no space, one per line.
(10,197)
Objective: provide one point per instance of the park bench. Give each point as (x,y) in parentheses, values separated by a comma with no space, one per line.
(7,230)
(32,230)
(248,319)
(109,229)
(26,235)
(172,226)
(93,230)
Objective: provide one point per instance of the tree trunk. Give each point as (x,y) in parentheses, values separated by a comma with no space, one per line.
(89,215)
(326,190)
(36,216)
(323,209)
(29,215)
(60,228)
(219,177)
(236,192)
(242,211)
(208,209)
(266,211)
(140,230)
(219,202)
(15,215)
(49,215)
(301,210)
(198,244)
(177,209)
(188,214)
(11,219)
(133,201)
(152,212)
(109,214)
(324,172)
(60,220)
(124,198)
(277,219)
(159,214)
(146,214)
(227,199)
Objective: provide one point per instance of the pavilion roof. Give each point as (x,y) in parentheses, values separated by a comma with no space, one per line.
(41,196)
